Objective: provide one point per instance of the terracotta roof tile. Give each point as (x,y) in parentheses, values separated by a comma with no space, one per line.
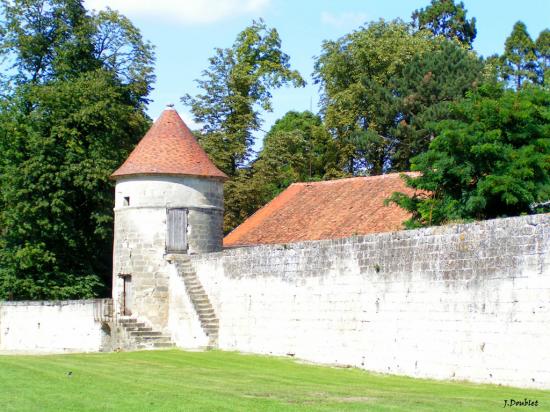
(169,148)
(325,210)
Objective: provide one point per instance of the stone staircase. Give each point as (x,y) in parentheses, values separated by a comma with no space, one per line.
(140,336)
(205,312)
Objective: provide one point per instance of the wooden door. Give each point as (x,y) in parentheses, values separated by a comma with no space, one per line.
(176,239)
(127,295)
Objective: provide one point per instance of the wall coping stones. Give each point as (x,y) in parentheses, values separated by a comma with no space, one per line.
(52,302)
(500,223)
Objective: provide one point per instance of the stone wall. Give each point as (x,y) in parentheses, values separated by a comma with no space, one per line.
(54,326)
(455,302)
(139,248)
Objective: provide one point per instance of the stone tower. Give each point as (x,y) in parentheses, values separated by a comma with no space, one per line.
(168,199)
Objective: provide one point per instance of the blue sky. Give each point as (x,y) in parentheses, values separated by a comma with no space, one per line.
(185,33)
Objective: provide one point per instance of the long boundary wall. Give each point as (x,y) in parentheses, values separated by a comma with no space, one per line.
(54,326)
(455,302)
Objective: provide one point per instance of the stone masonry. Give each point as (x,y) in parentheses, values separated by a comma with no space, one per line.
(469,302)
(466,302)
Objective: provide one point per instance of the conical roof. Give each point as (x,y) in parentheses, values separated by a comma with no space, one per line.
(169,148)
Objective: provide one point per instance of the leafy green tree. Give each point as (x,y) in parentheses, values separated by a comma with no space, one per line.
(490,159)
(354,73)
(297,148)
(425,89)
(73,110)
(52,40)
(448,19)
(235,86)
(519,58)
(298,144)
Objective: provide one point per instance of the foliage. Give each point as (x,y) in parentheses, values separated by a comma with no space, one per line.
(519,58)
(490,159)
(296,149)
(354,73)
(543,53)
(383,85)
(425,88)
(238,83)
(447,19)
(53,39)
(217,381)
(73,112)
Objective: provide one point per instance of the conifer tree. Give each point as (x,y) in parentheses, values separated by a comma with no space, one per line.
(519,58)
(425,90)
(447,19)
(543,54)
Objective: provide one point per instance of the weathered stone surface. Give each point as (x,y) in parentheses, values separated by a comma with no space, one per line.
(454,302)
(55,326)
(141,204)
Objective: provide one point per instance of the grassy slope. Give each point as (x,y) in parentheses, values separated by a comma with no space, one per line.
(221,381)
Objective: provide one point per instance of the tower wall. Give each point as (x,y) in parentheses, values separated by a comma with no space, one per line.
(140,269)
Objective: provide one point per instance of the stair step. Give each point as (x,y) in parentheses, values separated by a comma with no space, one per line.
(151,340)
(208,320)
(203,304)
(140,329)
(145,333)
(135,325)
(207,314)
(164,345)
(195,289)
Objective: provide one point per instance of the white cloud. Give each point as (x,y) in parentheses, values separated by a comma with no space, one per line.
(183,11)
(344,19)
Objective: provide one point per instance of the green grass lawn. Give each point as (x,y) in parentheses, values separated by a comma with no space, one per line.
(223,381)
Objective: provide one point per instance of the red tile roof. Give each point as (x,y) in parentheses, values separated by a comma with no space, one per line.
(169,148)
(325,210)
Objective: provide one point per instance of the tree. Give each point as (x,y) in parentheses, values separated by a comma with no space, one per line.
(48,40)
(298,143)
(73,110)
(425,89)
(543,53)
(237,83)
(519,58)
(296,149)
(354,73)
(490,159)
(447,19)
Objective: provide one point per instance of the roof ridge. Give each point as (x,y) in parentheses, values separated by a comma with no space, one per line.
(385,175)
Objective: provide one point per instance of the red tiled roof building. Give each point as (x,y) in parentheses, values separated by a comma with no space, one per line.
(325,210)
